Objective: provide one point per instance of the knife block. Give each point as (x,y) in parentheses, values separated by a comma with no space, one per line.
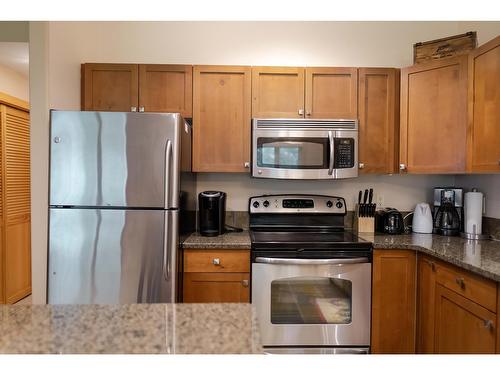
(363,224)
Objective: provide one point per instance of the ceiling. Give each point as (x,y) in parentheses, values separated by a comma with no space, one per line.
(15,56)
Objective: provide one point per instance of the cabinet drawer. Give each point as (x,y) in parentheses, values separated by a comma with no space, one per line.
(216,261)
(475,288)
(216,287)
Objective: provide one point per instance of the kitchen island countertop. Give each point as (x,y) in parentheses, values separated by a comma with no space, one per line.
(129,329)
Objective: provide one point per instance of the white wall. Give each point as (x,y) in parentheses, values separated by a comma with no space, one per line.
(14,83)
(246,43)
(489,185)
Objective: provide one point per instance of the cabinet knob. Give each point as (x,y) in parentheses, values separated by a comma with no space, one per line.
(308,113)
(247,164)
(488,324)
(461,282)
(361,165)
(244,283)
(216,261)
(133,109)
(301,112)
(402,167)
(141,109)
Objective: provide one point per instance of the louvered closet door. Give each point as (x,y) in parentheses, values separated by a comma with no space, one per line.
(16,199)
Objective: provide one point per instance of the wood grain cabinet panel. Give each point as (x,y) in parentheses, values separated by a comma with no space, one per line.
(15,204)
(331,93)
(216,287)
(434,116)
(484,108)
(110,87)
(166,88)
(277,92)
(393,301)
(216,260)
(426,286)
(221,118)
(462,326)
(378,120)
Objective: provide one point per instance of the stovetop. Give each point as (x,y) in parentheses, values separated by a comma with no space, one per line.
(309,239)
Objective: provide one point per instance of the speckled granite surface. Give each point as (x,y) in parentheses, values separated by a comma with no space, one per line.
(235,240)
(130,329)
(481,257)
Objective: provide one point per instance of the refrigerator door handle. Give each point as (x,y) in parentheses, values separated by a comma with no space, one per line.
(168,168)
(166,246)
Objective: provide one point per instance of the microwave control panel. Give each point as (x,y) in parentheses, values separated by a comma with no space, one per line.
(344,153)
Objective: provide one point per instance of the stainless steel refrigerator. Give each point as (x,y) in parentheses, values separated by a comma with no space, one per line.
(118,184)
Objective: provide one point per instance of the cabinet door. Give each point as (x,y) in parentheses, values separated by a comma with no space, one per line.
(110,87)
(425,304)
(16,203)
(393,301)
(378,120)
(277,92)
(166,88)
(332,93)
(434,116)
(484,108)
(221,118)
(462,326)
(216,287)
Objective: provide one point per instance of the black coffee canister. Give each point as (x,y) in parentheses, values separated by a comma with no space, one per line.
(211,213)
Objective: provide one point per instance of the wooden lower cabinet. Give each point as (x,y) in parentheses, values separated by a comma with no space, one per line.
(393,302)
(426,286)
(216,275)
(462,326)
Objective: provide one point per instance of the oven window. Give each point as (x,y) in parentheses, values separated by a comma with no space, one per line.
(292,153)
(311,300)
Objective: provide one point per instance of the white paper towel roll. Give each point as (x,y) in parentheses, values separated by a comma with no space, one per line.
(473,211)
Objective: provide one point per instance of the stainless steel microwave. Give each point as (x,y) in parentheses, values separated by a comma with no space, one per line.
(304,149)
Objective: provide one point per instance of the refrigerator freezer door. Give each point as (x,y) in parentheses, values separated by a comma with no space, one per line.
(112,256)
(113,159)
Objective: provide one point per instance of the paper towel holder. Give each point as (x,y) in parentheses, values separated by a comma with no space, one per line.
(474,235)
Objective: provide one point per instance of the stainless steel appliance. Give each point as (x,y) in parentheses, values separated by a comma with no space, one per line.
(389,220)
(212,213)
(304,148)
(311,278)
(121,190)
(448,211)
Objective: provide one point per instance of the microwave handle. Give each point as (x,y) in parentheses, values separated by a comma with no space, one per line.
(332,152)
(310,262)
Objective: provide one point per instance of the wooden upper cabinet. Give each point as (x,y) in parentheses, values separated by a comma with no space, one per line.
(378,120)
(110,87)
(277,92)
(221,118)
(393,302)
(331,93)
(434,116)
(484,108)
(166,88)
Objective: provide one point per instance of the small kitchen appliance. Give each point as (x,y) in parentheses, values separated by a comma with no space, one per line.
(448,211)
(311,278)
(390,221)
(212,213)
(422,218)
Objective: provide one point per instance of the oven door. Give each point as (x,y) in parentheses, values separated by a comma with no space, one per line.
(312,302)
(302,154)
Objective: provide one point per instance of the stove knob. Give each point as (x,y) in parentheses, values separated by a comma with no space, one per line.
(256,204)
(329,204)
(339,204)
(266,203)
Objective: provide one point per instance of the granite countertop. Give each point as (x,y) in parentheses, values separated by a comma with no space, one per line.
(129,329)
(480,257)
(230,240)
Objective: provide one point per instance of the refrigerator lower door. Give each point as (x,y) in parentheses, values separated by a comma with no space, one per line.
(108,256)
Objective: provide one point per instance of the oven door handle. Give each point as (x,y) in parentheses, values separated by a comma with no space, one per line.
(304,262)
(332,151)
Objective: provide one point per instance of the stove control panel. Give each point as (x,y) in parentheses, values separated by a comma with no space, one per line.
(280,204)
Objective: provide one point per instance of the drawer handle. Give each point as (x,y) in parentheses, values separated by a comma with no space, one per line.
(245,284)
(216,261)
(488,324)
(460,281)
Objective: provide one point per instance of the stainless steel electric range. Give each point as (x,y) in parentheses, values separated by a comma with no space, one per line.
(311,278)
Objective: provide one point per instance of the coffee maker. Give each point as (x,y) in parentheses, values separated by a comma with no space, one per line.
(212,213)
(448,211)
